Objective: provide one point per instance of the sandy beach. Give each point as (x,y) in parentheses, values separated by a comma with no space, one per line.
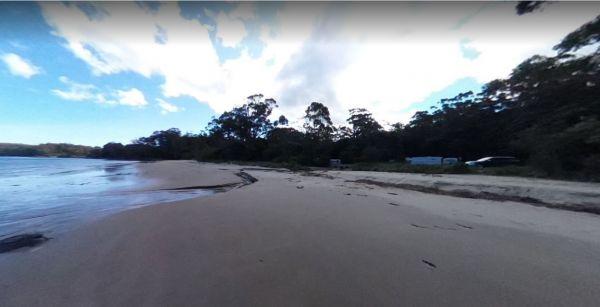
(332,238)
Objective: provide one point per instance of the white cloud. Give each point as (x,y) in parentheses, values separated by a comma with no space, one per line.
(384,57)
(132,97)
(75,91)
(168,107)
(19,66)
(124,41)
(230,27)
(87,92)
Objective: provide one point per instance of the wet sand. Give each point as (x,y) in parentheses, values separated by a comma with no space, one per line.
(303,240)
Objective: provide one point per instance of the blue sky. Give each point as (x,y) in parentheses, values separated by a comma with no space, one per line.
(31,114)
(94,73)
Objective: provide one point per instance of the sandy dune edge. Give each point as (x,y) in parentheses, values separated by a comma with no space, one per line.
(575,196)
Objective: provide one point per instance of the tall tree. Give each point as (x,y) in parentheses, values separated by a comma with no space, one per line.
(245,123)
(318,121)
(363,123)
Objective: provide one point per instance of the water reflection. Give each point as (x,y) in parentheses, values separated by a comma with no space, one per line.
(117,172)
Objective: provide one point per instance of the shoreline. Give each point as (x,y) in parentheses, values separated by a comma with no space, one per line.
(311,239)
(52,197)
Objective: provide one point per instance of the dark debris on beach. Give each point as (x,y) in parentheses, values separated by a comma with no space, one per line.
(22,240)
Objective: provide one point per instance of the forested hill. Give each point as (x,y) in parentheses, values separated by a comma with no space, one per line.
(44,150)
(547,113)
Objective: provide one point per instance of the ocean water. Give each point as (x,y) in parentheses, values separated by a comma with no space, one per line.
(54,195)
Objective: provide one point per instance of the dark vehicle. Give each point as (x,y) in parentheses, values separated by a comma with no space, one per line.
(494,161)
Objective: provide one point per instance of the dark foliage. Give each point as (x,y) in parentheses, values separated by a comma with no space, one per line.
(318,123)
(45,150)
(524,7)
(587,34)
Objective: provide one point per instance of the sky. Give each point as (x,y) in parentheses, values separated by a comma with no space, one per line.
(90,73)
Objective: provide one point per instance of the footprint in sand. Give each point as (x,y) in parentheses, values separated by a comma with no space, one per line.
(430,264)
(464,226)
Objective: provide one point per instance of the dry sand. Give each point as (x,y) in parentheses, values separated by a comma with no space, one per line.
(187,174)
(552,193)
(294,240)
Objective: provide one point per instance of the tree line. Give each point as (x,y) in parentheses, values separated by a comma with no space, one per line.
(62,150)
(547,112)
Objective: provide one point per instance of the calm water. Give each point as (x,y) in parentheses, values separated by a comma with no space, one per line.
(52,195)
